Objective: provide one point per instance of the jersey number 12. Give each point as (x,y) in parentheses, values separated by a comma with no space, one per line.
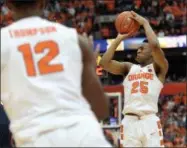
(43,64)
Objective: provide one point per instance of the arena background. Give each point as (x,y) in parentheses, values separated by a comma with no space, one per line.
(96,18)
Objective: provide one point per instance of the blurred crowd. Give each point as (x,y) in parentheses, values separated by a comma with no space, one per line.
(73,13)
(172,111)
(174,78)
(168,17)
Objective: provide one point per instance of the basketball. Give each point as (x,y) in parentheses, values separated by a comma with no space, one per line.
(124,24)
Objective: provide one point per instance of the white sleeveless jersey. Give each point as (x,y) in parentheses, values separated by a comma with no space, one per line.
(41,70)
(142,89)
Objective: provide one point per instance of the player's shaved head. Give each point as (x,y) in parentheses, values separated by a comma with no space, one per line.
(22,3)
(26,8)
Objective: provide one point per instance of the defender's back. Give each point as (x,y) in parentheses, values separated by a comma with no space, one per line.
(41,69)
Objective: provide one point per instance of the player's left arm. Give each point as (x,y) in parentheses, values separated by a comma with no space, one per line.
(158,55)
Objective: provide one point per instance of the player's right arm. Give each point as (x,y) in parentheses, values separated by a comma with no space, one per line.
(92,88)
(113,66)
(160,61)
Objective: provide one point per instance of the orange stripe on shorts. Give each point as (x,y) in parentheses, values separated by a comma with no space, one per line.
(122,132)
(161,142)
(122,136)
(121,129)
(159,125)
(160,133)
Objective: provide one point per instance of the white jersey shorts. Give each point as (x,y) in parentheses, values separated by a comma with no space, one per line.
(144,131)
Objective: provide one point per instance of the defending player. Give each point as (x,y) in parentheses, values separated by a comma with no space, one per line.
(142,85)
(48,82)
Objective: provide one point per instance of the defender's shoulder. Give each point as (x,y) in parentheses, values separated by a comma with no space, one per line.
(66,31)
(61,26)
(4,30)
(5,33)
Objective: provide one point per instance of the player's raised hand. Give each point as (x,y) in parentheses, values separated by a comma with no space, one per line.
(97,54)
(124,36)
(89,39)
(96,50)
(141,20)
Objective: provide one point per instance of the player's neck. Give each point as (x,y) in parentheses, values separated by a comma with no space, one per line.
(26,15)
(146,63)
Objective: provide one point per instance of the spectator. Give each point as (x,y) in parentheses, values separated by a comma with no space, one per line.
(81,14)
(161,33)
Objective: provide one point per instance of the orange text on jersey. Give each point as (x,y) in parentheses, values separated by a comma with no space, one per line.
(31,32)
(140,76)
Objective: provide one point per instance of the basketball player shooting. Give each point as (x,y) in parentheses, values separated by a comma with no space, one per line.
(142,85)
(49,87)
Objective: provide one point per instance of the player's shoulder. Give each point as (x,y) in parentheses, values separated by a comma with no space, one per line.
(61,26)
(4,30)
(4,33)
(134,65)
(67,32)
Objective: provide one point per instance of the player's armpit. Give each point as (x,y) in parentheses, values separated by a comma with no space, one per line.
(92,88)
(117,68)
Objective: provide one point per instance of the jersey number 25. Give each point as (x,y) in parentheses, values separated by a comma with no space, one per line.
(139,87)
(43,64)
